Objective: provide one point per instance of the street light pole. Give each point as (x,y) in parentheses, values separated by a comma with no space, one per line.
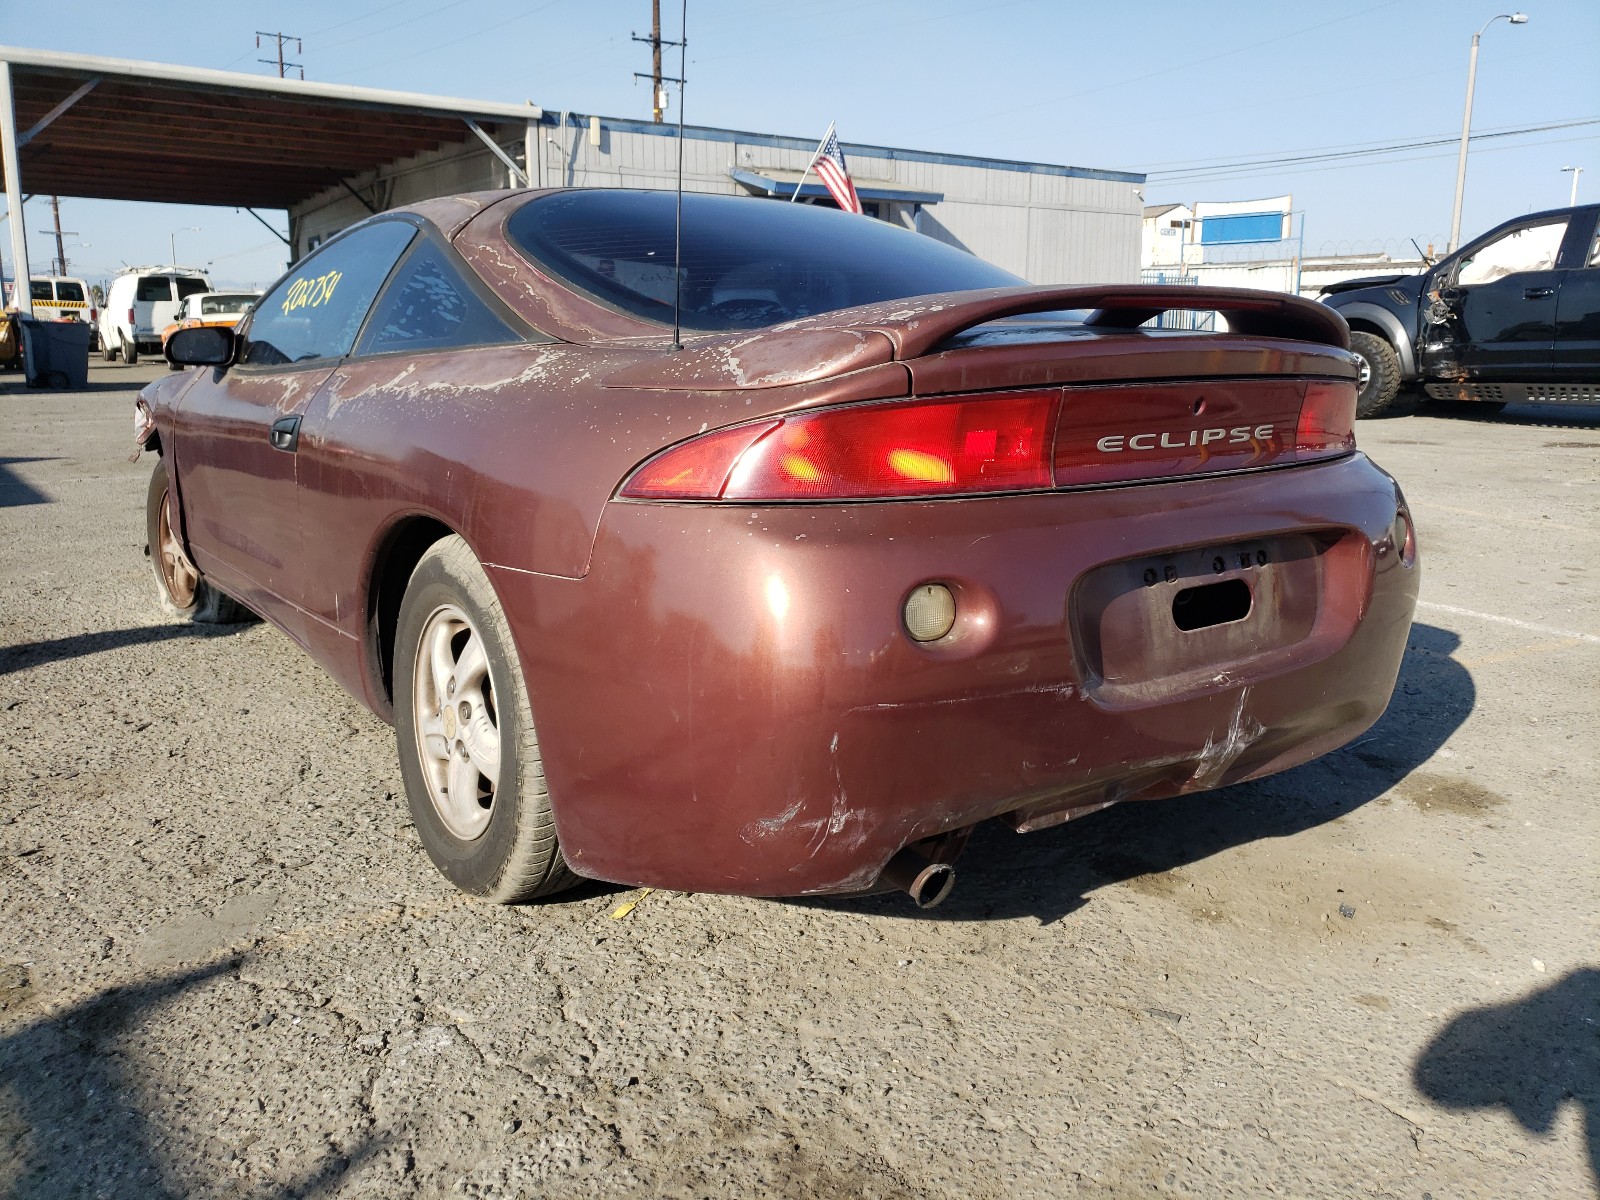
(1576,171)
(172,243)
(1466,123)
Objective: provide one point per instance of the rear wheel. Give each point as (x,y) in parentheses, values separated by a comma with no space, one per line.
(464,730)
(108,352)
(130,352)
(180,587)
(1379,380)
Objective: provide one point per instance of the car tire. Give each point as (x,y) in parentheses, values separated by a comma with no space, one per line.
(1379,382)
(181,589)
(464,732)
(130,352)
(108,352)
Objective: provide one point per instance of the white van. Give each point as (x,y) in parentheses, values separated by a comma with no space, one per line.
(141,302)
(57,298)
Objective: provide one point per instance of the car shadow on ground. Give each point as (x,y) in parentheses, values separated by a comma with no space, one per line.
(36,654)
(1528,1056)
(1050,874)
(14,492)
(68,1126)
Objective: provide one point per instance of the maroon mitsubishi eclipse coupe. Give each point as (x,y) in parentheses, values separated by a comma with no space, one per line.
(890,544)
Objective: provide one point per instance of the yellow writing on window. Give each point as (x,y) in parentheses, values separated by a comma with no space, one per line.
(309,293)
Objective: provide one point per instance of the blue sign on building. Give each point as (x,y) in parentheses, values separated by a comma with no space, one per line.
(1242,227)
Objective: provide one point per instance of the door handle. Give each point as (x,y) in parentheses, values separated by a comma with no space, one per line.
(1537,293)
(285,434)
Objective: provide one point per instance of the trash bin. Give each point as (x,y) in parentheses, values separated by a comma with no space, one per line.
(55,354)
(10,351)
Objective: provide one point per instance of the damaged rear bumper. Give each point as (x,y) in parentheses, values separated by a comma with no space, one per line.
(728,701)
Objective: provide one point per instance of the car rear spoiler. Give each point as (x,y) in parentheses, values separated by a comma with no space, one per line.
(918,326)
(835,343)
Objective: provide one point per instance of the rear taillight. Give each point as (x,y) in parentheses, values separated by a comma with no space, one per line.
(1015,442)
(875,451)
(1327,424)
(131,321)
(697,469)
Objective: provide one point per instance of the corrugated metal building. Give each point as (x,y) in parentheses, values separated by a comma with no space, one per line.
(1047,223)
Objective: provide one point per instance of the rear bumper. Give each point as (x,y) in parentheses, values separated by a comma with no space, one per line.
(727,701)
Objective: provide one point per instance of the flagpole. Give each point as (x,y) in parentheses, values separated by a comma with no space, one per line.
(815,154)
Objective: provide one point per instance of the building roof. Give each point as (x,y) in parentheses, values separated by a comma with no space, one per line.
(1156,210)
(124,130)
(121,129)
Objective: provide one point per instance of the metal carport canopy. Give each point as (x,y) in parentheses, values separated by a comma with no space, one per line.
(117,129)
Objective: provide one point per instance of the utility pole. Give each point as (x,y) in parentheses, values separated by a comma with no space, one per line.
(658,93)
(281,38)
(61,251)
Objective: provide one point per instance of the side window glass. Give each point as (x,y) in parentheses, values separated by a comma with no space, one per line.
(429,306)
(1530,249)
(152,288)
(1594,251)
(317,310)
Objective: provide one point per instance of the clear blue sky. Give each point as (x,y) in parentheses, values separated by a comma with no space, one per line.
(1158,86)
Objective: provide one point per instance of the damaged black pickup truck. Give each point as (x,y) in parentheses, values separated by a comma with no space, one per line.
(1513,316)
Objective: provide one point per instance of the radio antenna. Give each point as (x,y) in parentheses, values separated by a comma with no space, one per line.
(677,233)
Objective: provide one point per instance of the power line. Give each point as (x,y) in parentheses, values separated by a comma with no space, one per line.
(365,37)
(1250,173)
(533,12)
(1214,170)
(1151,168)
(382,8)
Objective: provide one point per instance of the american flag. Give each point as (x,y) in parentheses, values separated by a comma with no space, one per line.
(830,168)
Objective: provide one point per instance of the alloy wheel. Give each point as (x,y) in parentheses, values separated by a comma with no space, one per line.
(458,733)
(180,576)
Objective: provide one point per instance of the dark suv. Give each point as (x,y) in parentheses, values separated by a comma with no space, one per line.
(1511,316)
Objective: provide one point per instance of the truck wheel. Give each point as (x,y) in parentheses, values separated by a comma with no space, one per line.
(130,352)
(1379,380)
(464,730)
(180,587)
(108,352)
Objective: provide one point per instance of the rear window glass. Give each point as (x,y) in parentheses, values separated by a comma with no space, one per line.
(189,287)
(153,287)
(746,262)
(221,306)
(66,289)
(430,307)
(39,289)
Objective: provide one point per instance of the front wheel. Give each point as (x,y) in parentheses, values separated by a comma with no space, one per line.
(464,731)
(1379,380)
(180,587)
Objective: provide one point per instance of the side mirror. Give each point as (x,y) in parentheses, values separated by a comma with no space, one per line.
(203,346)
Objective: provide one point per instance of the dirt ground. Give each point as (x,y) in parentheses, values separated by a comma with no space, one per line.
(227,967)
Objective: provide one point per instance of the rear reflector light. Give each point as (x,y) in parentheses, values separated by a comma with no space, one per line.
(1012,442)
